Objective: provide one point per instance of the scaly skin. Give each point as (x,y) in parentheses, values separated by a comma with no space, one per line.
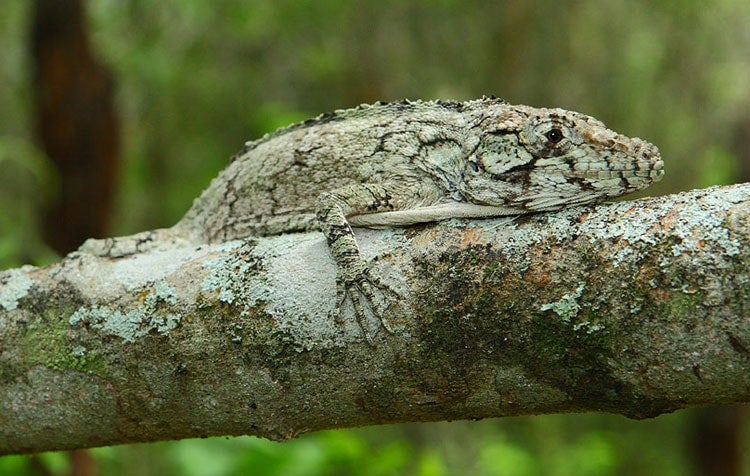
(393,164)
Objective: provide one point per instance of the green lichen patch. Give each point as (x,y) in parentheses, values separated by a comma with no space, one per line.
(41,335)
(47,342)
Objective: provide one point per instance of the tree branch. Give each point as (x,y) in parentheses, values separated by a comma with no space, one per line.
(636,308)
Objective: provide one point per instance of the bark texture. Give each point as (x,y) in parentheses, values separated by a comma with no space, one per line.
(636,308)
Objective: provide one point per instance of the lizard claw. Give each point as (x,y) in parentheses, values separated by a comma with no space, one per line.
(370,298)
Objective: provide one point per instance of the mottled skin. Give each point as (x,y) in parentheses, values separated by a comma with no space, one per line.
(391,164)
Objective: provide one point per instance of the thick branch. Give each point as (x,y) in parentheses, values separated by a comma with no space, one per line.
(636,308)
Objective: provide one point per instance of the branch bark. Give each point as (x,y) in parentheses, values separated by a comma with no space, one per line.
(636,308)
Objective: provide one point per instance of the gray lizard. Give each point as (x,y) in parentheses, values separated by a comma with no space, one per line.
(400,163)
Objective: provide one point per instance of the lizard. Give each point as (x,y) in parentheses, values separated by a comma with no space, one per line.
(399,163)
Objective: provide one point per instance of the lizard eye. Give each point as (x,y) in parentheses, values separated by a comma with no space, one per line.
(549,137)
(554,136)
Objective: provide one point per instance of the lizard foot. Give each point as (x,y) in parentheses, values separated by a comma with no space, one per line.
(371,299)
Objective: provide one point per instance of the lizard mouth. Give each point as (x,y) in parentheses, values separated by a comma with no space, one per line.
(657,172)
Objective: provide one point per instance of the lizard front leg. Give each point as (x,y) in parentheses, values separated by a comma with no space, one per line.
(353,279)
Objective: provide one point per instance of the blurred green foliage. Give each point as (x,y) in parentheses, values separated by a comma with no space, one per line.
(197,78)
(556,445)
(27,183)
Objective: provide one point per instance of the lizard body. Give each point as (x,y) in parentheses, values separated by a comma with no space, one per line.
(394,164)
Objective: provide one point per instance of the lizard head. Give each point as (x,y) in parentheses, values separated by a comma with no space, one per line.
(535,159)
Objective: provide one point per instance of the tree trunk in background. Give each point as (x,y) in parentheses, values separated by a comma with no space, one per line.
(741,149)
(77,127)
(716,441)
(76,123)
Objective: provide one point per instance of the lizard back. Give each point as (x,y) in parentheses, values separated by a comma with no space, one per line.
(272,184)
(476,158)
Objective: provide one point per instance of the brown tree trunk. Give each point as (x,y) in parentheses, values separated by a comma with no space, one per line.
(716,441)
(76,122)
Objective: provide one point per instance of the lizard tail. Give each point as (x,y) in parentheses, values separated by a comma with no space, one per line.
(146,241)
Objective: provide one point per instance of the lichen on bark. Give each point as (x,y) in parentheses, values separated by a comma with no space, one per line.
(636,308)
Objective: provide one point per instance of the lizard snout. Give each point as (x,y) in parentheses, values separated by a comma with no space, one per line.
(649,159)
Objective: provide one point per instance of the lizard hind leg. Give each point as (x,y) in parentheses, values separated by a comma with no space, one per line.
(355,284)
(146,241)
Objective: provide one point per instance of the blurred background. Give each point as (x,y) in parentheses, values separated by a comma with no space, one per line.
(115,114)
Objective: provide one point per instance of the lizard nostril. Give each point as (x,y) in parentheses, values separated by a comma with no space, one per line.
(646,150)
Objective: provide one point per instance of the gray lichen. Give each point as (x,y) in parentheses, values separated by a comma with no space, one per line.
(15,286)
(567,306)
(549,313)
(133,323)
(226,273)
